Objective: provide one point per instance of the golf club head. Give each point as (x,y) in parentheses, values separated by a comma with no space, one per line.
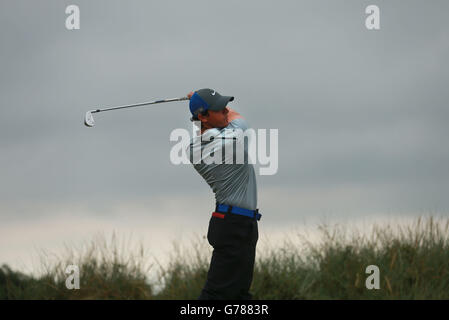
(89,119)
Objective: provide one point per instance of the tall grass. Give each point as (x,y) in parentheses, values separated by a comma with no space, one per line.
(413,261)
(108,270)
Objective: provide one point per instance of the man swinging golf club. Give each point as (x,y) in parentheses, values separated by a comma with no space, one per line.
(233,229)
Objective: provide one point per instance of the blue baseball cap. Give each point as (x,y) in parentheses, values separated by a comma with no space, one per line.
(208,99)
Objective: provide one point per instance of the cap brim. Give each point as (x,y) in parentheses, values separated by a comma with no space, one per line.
(221,103)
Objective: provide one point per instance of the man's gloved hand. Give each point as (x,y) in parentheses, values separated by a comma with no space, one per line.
(190,94)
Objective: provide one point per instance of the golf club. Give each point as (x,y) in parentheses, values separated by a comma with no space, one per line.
(89,118)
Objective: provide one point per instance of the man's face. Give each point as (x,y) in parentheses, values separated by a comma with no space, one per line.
(216,119)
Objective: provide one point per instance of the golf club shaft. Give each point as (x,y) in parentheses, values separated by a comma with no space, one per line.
(140,104)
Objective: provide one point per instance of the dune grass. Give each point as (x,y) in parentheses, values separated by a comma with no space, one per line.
(413,262)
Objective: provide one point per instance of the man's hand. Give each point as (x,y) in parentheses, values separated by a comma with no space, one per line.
(190,94)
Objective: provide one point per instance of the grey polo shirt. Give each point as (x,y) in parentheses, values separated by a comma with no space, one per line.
(233,181)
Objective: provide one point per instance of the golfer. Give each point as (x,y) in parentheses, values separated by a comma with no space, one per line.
(233,230)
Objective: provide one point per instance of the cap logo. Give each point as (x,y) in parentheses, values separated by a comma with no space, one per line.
(213,93)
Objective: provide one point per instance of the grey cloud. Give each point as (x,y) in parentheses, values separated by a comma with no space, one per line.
(353,107)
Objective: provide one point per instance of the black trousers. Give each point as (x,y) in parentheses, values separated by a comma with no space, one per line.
(234,240)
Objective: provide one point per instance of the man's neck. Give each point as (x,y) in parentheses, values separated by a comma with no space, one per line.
(204,128)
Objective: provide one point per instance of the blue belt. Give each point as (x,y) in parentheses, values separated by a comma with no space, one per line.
(224,208)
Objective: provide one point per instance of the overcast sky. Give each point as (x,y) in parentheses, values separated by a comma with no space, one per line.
(362,115)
